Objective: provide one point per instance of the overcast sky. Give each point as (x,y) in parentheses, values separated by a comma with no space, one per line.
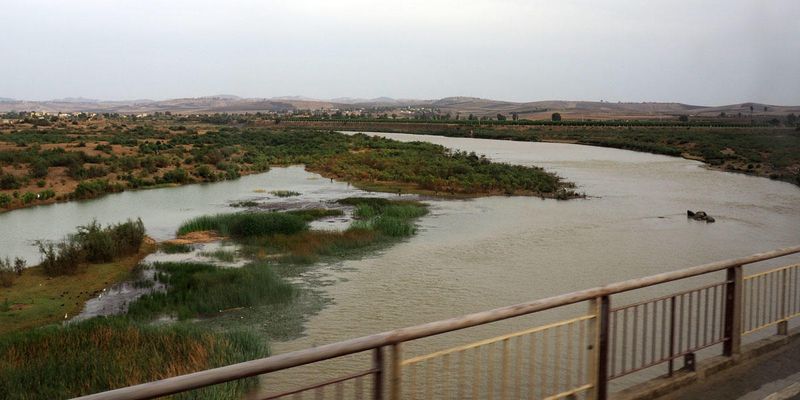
(702,52)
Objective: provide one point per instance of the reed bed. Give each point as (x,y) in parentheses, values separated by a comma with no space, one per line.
(106,353)
(198,289)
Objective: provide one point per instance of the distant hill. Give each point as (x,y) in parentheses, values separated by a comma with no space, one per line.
(454,105)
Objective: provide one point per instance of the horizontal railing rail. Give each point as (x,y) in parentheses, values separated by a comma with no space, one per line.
(600,320)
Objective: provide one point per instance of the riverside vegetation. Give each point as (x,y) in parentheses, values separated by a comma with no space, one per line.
(51,361)
(767,151)
(44,165)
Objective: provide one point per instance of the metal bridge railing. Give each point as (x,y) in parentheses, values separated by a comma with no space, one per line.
(572,358)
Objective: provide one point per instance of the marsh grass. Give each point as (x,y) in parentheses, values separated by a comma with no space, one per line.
(378,221)
(241,225)
(175,248)
(390,218)
(106,353)
(284,193)
(198,289)
(221,255)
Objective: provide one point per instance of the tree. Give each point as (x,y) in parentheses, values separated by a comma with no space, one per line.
(791,119)
(556,117)
(501,117)
(514,116)
(683,118)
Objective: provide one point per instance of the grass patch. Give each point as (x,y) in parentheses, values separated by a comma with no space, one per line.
(175,248)
(284,193)
(389,218)
(198,289)
(243,225)
(102,354)
(222,255)
(37,299)
(378,222)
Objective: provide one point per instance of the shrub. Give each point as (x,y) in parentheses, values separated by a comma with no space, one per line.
(5,200)
(92,243)
(47,194)
(62,258)
(8,182)
(97,245)
(38,169)
(28,197)
(178,175)
(91,189)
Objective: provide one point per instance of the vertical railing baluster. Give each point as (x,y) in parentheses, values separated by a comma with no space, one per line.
(680,324)
(445,376)
(601,355)
(476,373)
(705,316)
(670,366)
(461,374)
(377,364)
(733,314)
(358,390)
(504,370)
(582,349)
(635,336)
(490,370)
(518,368)
(655,329)
(663,328)
(395,390)
(532,366)
(783,326)
(624,345)
(543,372)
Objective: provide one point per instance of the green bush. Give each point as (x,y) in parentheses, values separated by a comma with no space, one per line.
(5,200)
(92,243)
(28,197)
(9,182)
(91,189)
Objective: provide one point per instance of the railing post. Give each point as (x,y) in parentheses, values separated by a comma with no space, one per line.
(397,373)
(598,367)
(377,363)
(733,311)
(783,326)
(671,363)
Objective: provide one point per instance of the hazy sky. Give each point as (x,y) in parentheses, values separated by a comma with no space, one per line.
(693,51)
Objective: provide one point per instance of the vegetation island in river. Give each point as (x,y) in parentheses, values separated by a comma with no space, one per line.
(57,163)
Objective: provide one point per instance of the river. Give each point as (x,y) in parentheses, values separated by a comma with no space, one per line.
(478,254)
